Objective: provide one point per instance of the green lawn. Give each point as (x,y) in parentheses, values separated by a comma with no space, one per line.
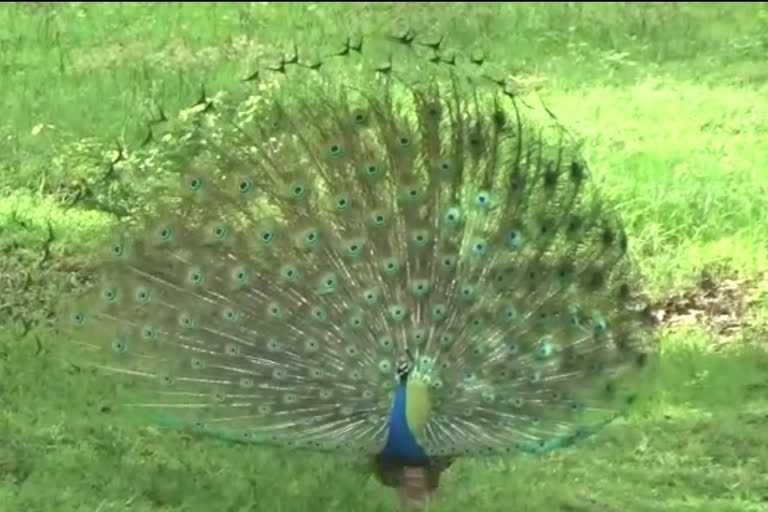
(671,101)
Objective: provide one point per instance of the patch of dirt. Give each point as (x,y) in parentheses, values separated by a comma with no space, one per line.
(722,304)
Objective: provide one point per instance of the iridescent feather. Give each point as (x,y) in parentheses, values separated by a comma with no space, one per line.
(403,266)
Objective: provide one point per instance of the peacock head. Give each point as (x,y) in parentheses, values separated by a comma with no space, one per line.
(403,370)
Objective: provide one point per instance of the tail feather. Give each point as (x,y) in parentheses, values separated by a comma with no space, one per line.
(303,243)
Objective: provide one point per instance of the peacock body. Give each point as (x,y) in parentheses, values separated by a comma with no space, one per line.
(402,266)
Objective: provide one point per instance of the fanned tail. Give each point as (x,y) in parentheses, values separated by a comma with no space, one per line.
(300,245)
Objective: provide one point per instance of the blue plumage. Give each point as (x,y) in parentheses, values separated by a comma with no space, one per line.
(401,444)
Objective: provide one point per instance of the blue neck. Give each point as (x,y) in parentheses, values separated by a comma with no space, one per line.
(401,445)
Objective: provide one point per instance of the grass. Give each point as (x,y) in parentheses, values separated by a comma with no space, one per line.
(669,99)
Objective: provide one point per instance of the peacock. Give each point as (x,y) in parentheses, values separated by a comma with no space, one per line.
(380,254)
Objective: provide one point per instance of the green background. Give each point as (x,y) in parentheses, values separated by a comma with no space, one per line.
(672,102)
